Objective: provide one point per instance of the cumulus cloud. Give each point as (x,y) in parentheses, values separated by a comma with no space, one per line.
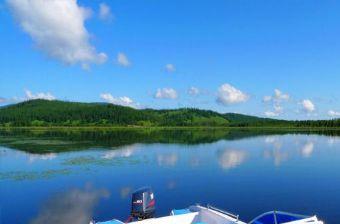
(73,206)
(276,112)
(308,105)
(123,60)
(165,93)
(170,67)
(231,158)
(331,113)
(271,114)
(33,96)
(104,11)
(267,98)
(57,29)
(122,100)
(193,91)
(227,95)
(279,95)
(276,99)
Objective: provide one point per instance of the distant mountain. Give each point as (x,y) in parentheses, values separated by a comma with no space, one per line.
(61,113)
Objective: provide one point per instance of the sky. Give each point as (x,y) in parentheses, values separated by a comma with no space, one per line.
(278,59)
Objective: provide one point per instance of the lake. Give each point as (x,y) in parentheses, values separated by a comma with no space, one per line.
(72,176)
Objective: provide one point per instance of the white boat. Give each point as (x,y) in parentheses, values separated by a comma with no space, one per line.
(143,208)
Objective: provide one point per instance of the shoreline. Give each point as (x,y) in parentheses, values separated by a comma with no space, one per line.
(168,128)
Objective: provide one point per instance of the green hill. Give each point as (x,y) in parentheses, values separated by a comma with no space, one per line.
(242,120)
(61,113)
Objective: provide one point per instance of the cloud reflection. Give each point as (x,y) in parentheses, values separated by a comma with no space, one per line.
(167,159)
(171,185)
(125,192)
(230,158)
(35,157)
(274,141)
(73,206)
(307,149)
(277,155)
(334,140)
(123,152)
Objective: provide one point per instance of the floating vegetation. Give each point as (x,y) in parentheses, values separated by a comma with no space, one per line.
(92,160)
(33,175)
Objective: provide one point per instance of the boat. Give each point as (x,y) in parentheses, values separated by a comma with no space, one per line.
(143,211)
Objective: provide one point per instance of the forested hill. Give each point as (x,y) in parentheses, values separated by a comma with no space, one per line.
(60,113)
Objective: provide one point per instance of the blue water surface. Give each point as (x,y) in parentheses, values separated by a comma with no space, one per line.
(297,173)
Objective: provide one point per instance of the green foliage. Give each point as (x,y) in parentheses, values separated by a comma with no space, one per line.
(45,113)
(59,113)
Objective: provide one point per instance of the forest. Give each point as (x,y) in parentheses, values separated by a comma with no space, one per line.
(44,113)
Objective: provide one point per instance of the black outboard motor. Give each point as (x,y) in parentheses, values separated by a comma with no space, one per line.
(143,204)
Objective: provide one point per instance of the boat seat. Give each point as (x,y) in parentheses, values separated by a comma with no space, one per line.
(180,211)
(114,221)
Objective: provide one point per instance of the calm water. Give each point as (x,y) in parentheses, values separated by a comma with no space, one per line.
(82,175)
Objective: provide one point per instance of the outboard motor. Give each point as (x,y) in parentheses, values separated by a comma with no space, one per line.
(143,204)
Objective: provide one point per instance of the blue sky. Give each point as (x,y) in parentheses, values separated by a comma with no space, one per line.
(266,58)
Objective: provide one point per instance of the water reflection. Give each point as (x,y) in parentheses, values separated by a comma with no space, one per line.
(276,155)
(167,159)
(74,206)
(230,158)
(122,152)
(35,157)
(180,170)
(124,192)
(307,149)
(274,141)
(171,185)
(334,140)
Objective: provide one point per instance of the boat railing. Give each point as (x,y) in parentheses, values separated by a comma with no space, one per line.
(223,212)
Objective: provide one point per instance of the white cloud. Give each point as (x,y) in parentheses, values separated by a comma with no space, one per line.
(33,96)
(277,111)
(123,60)
(279,95)
(104,11)
(228,94)
(2,100)
(267,98)
(308,105)
(57,29)
(123,100)
(170,67)
(276,99)
(271,114)
(194,91)
(166,93)
(333,113)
